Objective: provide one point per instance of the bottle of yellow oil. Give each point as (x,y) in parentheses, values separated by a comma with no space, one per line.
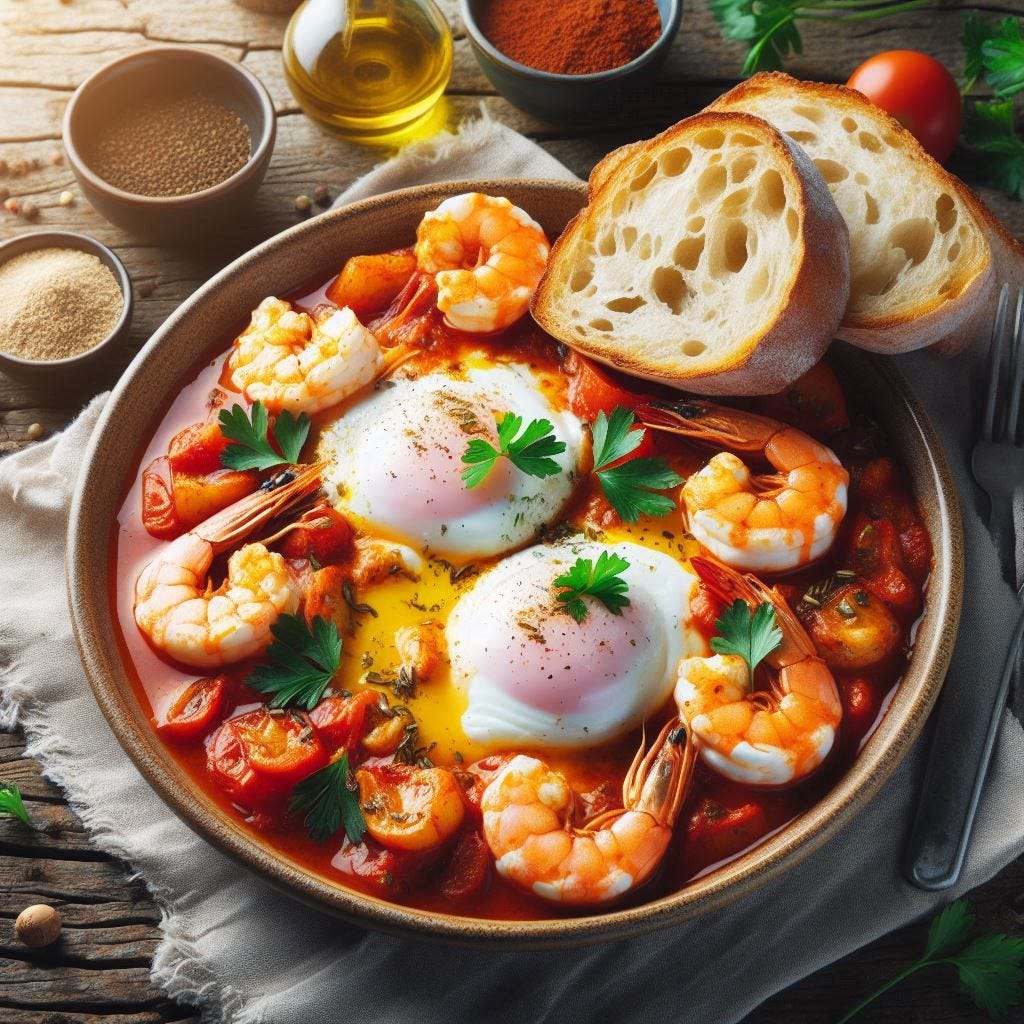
(368,68)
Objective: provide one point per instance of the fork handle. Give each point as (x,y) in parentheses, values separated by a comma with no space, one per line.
(957,765)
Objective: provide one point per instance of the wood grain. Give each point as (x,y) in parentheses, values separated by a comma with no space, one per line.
(98,972)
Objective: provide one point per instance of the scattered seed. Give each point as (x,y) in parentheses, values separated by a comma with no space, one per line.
(34,432)
(30,210)
(322,195)
(12,205)
(66,198)
(56,158)
(38,925)
(303,203)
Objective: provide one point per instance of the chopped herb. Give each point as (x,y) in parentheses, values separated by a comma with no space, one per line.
(989,967)
(350,599)
(752,636)
(329,798)
(12,805)
(302,662)
(602,580)
(530,451)
(402,682)
(846,609)
(630,486)
(252,436)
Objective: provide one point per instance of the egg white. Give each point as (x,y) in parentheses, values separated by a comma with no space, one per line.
(396,461)
(535,677)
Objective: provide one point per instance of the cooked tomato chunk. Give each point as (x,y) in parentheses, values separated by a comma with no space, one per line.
(368,284)
(159,515)
(341,721)
(467,868)
(197,449)
(324,535)
(195,709)
(199,496)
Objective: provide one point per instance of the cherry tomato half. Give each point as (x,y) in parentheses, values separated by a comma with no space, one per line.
(594,389)
(197,449)
(919,92)
(341,721)
(159,514)
(194,709)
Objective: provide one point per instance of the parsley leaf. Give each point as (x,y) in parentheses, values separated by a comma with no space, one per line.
(995,52)
(629,486)
(531,451)
(976,31)
(12,804)
(252,437)
(601,580)
(302,662)
(329,799)
(990,968)
(989,127)
(752,637)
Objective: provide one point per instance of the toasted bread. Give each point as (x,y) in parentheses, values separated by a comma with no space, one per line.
(924,253)
(711,258)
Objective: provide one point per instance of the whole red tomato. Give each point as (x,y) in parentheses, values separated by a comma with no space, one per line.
(919,92)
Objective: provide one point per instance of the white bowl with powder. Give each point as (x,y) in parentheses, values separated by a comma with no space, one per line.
(64,299)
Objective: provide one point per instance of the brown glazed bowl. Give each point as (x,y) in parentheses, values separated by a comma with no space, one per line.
(314,251)
(185,218)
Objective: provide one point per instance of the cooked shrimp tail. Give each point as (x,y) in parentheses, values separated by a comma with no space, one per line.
(759,737)
(183,617)
(527,810)
(770,522)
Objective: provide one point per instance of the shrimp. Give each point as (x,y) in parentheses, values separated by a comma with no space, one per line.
(302,363)
(761,738)
(420,648)
(770,522)
(184,617)
(487,257)
(527,811)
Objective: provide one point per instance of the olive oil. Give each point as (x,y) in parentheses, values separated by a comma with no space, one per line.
(368,68)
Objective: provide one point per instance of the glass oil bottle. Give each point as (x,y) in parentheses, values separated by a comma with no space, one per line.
(368,68)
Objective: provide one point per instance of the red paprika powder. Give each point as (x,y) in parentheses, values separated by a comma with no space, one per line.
(571,37)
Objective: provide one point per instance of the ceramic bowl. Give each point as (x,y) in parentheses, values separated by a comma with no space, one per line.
(68,240)
(185,218)
(564,98)
(314,251)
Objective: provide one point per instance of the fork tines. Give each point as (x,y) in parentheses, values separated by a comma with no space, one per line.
(1001,420)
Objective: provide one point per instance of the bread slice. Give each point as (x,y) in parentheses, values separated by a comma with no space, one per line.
(710,258)
(923,249)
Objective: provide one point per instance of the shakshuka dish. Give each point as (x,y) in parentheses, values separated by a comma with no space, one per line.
(455,616)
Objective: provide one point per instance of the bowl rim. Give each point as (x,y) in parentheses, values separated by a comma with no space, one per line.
(260,149)
(31,241)
(877,759)
(669,27)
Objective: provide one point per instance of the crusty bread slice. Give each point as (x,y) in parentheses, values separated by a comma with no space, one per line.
(710,258)
(923,249)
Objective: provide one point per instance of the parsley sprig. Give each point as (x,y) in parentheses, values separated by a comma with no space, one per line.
(989,967)
(768,28)
(752,636)
(602,580)
(995,54)
(530,451)
(302,662)
(253,435)
(630,486)
(329,798)
(12,804)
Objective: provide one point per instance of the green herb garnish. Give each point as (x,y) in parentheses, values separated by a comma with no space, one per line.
(252,436)
(630,486)
(994,52)
(752,637)
(12,804)
(302,662)
(989,127)
(768,27)
(329,798)
(601,580)
(989,967)
(531,451)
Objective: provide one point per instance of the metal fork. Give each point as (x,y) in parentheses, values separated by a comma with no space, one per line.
(963,742)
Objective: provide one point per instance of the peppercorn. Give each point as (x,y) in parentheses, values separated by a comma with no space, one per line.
(34,432)
(30,210)
(303,203)
(322,195)
(38,925)
(67,198)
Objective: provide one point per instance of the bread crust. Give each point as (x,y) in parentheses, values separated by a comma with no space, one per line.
(804,317)
(950,323)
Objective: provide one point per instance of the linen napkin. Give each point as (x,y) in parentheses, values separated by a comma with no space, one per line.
(246,953)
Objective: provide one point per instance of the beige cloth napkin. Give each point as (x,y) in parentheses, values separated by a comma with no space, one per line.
(246,953)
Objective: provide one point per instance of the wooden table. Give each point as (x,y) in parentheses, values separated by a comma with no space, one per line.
(99,972)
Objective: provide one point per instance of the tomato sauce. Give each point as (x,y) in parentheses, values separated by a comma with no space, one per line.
(882,549)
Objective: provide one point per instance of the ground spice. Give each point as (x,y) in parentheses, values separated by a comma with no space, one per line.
(56,303)
(571,37)
(170,144)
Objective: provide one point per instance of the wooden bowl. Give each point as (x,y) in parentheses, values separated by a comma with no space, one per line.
(313,251)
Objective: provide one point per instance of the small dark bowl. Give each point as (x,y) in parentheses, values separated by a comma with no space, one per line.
(19,367)
(174,218)
(562,98)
